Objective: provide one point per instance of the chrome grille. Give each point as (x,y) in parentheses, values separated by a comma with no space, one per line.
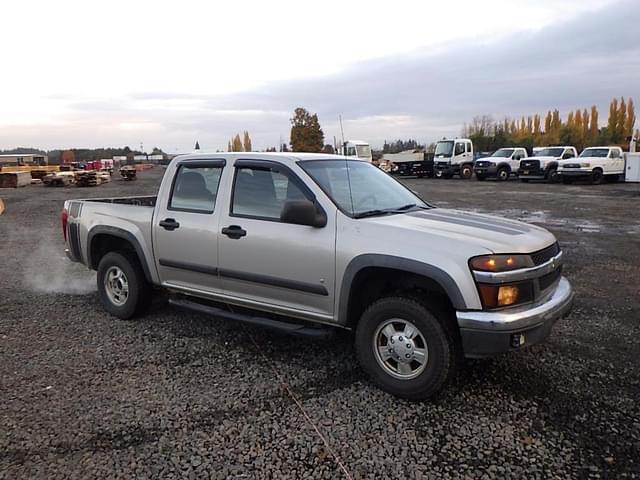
(546,254)
(530,164)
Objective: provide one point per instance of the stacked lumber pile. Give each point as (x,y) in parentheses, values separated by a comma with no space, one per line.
(14,179)
(92,178)
(60,179)
(87,178)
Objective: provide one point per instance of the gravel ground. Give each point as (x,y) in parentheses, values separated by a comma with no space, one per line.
(180,395)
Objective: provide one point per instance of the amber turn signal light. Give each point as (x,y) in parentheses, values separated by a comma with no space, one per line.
(500,263)
(494,296)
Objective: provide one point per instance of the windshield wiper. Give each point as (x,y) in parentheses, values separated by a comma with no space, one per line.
(372,213)
(388,211)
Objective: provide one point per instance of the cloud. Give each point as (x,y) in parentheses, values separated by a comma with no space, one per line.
(426,93)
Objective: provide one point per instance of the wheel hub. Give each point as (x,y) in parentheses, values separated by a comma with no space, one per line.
(400,349)
(116,286)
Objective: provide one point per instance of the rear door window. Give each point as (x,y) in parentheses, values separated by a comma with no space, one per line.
(195,189)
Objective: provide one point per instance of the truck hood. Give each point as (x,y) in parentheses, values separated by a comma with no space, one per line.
(542,159)
(498,235)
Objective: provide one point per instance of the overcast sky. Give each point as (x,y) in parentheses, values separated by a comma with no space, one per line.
(90,74)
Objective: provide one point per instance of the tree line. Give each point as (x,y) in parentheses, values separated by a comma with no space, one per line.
(580,128)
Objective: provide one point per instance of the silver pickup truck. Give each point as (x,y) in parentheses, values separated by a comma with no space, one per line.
(305,243)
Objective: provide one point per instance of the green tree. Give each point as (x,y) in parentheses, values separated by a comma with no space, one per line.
(612,122)
(593,126)
(306,133)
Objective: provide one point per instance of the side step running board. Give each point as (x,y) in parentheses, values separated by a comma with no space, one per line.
(281,326)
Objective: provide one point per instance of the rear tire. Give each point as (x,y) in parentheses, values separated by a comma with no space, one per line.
(414,366)
(122,287)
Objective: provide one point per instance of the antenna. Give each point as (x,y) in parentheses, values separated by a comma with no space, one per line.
(341,129)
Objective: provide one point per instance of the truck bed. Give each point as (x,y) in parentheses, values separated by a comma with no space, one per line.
(139,201)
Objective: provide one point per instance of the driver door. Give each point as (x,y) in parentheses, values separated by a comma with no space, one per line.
(264,261)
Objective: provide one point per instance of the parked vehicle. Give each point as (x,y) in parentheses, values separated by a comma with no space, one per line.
(358,149)
(595,163)
(410,163)
(544,165)
(501,165)
(304,243)
(454,157)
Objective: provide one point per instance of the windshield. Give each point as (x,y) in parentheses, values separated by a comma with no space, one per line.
(358,187)
(550,152)
(364,151)
(444,149)
(595,152)
(503,152)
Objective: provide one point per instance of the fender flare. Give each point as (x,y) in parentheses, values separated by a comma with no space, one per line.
(442,278)
(125,235)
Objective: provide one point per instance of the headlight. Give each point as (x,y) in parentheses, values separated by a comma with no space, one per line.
(500,263)
(586,164)
(496,296)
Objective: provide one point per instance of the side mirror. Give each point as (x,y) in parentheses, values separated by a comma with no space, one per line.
(303,212)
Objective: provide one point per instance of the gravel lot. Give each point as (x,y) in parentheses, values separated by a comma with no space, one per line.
(178,395)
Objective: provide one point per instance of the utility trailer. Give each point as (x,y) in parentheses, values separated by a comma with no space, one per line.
(414,163)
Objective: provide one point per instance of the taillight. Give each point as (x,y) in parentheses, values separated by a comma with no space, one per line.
(64,217)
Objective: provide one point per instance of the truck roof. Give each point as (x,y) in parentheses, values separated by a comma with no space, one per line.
(284,157)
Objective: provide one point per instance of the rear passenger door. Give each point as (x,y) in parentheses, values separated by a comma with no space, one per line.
(185,230)
(266,262)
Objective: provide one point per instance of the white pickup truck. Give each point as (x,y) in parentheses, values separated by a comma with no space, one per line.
(544,165)
(307,243)
(594,163)
(502,164)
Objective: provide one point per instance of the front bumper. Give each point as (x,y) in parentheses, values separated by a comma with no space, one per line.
(486,333)
(446,168)
(575,172)
(489,171)
(531,173)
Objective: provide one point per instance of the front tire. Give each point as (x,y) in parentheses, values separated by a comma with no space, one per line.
(597,177)
(466,172)
(404,348)
(503,174)
(552,175)
(122,287)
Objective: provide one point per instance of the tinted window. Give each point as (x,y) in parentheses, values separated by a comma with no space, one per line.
(195,189)
(357,186)
(261,192)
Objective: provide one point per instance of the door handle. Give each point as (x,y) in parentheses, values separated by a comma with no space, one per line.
(234,231)
(169,224)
